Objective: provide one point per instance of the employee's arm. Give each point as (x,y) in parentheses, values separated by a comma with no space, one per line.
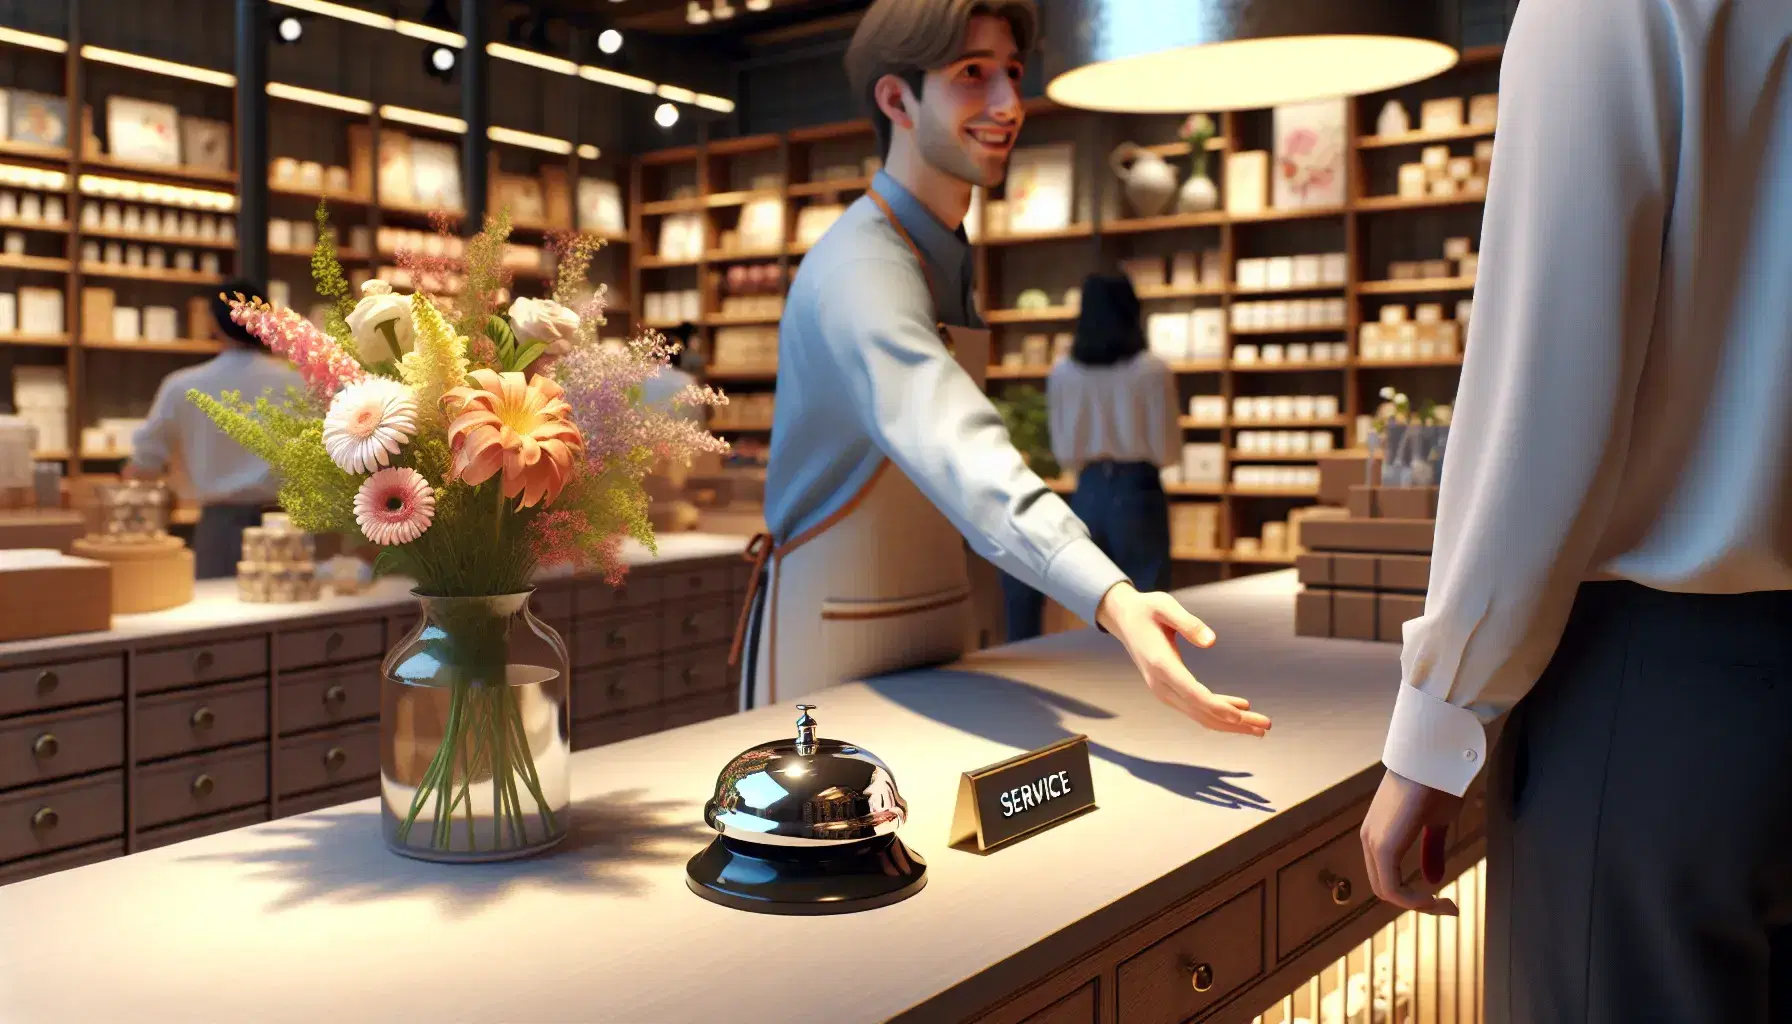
(152,445)
(943,433)
(1571,248)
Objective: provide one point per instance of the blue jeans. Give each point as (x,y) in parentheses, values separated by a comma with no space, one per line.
(1128,516)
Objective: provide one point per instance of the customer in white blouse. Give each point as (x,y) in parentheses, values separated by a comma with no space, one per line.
(1112,409)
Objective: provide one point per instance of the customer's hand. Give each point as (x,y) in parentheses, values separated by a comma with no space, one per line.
(1402,812)
(1147,625)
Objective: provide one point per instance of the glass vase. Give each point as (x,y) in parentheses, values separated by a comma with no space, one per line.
(475,732)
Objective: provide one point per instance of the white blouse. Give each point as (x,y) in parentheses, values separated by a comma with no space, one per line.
(1126,412)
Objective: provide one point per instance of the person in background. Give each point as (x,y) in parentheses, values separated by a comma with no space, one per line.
(1112,409)
(233,487)
(673,378)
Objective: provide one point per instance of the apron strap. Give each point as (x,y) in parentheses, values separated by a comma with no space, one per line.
(758,550)
(933,290)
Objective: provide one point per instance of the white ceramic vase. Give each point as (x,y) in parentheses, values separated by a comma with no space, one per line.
(1198,195)
(1149,180)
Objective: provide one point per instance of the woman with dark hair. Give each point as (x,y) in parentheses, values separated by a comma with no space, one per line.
(1114,419)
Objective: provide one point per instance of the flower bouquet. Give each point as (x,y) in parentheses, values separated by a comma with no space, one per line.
(1410,444)
(475,441)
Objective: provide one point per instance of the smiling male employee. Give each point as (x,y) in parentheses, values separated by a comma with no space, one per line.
(885,450)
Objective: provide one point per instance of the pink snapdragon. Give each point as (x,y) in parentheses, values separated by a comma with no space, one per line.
(323,364)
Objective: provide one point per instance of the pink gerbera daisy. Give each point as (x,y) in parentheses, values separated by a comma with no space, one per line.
(394,506)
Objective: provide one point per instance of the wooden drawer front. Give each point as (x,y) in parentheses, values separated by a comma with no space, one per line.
(700,672)
(599,732)
(205,784)
(216,716)
(614,688)
(1319,891)
(707,623)
(1222,951)
(60,744)
(175,667)
(552,604)
(57,817)
(607,640)
(37,867)
(334,797)
(41,687)
(399,627)
(329,759)
(350,641)
(639,590)
(1076,1008)
(211,826)
(692,710)
(699,582)
(329,696)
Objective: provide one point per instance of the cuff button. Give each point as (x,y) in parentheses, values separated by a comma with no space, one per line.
(1468,755)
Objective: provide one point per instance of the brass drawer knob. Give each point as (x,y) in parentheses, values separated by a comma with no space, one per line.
(614,690)
(689,675)
(45,819)
(616,639)
(1201,977)
(202,662)
(46,746)
(332,643)
(336,758)
(204,718)
(1340,887)
(335,696)
(690,623)
(203,786)
(47,682)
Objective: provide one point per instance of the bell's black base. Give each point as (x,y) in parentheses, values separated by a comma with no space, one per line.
(806,881)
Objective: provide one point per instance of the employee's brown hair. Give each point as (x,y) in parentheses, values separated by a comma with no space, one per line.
(909,38)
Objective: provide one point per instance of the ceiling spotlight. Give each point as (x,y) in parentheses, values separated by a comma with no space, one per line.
(288,29)
(438,62)
(609,41)
(666,116)
(696,13)
(724,10)
(759,5)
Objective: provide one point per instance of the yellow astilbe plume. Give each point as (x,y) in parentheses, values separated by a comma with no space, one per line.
(438,362)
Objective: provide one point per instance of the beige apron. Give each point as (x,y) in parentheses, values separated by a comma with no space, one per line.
(879,586)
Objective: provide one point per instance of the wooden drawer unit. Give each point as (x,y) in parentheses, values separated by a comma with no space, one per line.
(692,710)
(639,590)
(42,687)
(350,641)
(698,581)
(598,732)
(60,816)
(552,604)
(607,639)
(217,716)
(699,672)
(332,797)
(706,623)
(614,688)
(34,867)
(1319,891)
(206,784)
(174,667)
(210,826)
(1196,966)
(1076,1008)
(60,744)
(329,759)
(328,696)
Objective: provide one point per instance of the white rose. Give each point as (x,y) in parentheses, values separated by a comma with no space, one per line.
(381,324)
(546,322)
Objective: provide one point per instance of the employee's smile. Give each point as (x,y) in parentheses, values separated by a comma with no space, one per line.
(994,141)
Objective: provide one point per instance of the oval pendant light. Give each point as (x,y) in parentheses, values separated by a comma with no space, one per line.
(1177,56)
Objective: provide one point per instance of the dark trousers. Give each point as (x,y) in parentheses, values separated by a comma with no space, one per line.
(218,539)
(1640,818)
(1128,516)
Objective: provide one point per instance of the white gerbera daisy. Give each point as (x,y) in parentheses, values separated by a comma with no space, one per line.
(369,422)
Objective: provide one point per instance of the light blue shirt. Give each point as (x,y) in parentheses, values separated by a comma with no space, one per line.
(660,390)
(220,470)
(862,375)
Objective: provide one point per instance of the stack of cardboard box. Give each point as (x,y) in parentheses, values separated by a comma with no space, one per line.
(1364,576)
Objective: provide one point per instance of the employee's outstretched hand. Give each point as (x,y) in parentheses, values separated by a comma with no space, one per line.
(1147,625)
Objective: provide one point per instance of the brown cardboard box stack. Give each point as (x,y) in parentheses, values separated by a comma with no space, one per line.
(1364,576)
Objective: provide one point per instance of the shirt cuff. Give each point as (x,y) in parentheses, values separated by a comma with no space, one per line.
(1079,576)
(1434,743)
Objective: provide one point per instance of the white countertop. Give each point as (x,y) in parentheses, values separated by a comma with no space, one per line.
(215,604)
(310,918)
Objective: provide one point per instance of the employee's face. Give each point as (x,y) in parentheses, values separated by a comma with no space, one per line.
(970,110)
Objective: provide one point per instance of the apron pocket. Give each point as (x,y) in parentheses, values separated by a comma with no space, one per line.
(839,610)
(869,638)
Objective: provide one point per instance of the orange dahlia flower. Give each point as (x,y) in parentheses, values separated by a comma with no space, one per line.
(523,429)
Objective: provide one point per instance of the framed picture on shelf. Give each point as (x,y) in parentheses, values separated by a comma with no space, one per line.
(36,118)
(1038,190)
(600,206)
(205,143)
(435,175)
(1310,154)
(142,132)
(395,168)
(762,224)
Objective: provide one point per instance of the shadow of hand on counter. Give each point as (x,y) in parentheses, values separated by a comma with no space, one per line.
(1026,717)
(339,856)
